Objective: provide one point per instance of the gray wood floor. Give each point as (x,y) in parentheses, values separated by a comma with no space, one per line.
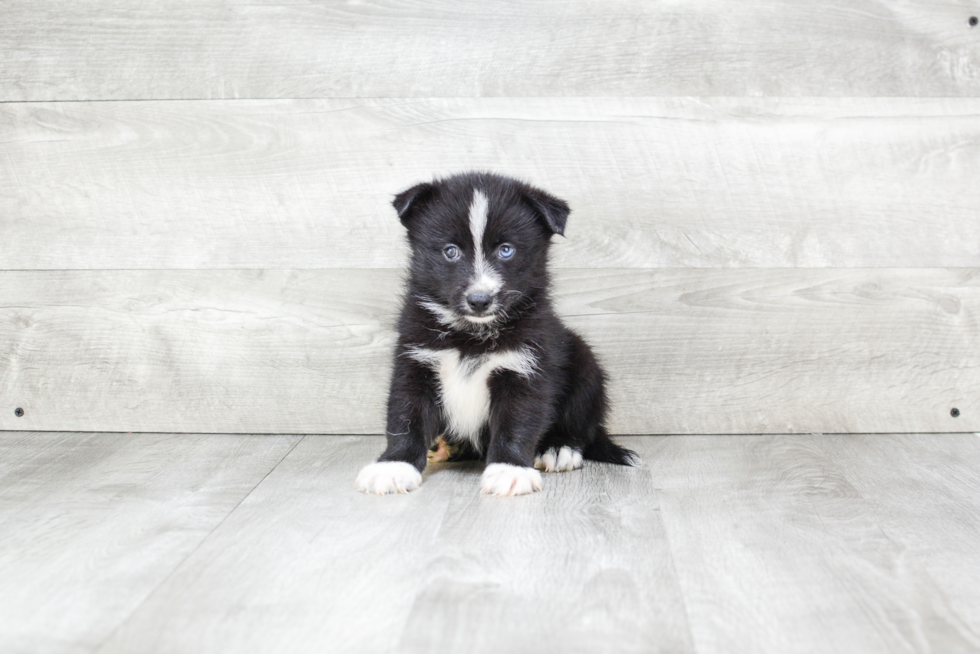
(217,543)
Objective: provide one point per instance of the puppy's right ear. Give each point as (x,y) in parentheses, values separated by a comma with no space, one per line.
(407,203)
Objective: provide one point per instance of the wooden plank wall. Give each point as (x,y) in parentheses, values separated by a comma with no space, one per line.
(775,227)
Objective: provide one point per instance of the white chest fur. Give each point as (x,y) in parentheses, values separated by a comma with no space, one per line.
(463,388)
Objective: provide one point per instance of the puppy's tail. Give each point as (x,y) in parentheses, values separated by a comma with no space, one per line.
(604,450)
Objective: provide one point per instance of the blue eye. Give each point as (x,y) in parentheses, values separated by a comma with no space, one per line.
(505,251)
(451,252)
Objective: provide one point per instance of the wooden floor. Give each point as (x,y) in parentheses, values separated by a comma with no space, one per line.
(221,543)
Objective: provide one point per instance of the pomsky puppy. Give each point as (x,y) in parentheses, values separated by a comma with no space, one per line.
(483,367)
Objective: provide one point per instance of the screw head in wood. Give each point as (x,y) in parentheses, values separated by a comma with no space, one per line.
(18,412)
(973,21)
(955,412)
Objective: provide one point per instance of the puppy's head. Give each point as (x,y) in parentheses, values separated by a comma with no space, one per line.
(479,246)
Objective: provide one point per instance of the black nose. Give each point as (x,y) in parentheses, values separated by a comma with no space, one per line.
(478,301)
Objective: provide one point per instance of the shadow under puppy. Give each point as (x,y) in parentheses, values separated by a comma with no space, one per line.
(483,367)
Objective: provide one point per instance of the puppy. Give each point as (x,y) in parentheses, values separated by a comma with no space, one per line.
(483,367)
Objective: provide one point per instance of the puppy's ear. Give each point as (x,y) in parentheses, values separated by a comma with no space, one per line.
(553,211)
(407,203)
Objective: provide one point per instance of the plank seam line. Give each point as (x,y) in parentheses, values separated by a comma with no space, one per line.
(534,98)
(267,99)
(184,559)
(303,435)
(267,268)
(598,270)
(222,433)
(670,553)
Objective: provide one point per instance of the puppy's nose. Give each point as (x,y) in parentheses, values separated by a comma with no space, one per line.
(478,301)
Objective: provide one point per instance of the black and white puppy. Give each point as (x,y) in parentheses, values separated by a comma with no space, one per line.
(483,366)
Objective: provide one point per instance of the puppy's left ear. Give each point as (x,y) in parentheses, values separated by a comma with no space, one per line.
(553,211)
(408,202)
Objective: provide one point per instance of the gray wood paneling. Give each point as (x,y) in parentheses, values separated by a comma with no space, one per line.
(784,351)
(778,549)
(306,351)
(652,182)
(230,351)
(386,48)
(92,524)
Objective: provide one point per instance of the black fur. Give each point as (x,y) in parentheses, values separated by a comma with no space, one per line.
(563,403)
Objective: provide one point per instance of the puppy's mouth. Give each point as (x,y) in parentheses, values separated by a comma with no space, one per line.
(482,319)
(479,309)
(459,318)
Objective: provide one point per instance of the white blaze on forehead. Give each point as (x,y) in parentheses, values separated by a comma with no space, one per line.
(478,216)
(485,278)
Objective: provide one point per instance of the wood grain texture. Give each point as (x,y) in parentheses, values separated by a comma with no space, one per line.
(305,564)
(922,492)
(652,182)
(687,351)
(778,550)
(784,351)
(92,523)
(310,565)
(284,351)
(770,544)
(584,567)
(386,48)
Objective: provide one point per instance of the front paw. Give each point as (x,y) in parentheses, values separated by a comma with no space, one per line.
(504,479)
(386,477)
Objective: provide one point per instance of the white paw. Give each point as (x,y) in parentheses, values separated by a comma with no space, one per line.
(562,460)
(386,477)
(505,479)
